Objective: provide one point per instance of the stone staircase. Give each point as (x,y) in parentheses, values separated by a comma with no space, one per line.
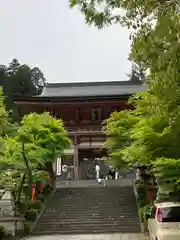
(83,210)
(92,183)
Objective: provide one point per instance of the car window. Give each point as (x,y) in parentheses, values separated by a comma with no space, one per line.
(171,214)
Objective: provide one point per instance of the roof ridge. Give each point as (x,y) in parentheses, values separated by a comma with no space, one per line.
(100,83)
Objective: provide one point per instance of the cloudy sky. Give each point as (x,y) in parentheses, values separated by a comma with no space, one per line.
(45,33)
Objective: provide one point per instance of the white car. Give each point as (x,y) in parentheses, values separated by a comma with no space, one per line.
(165,224)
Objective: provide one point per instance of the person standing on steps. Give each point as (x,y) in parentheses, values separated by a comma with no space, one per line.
(111,172)
(97,171)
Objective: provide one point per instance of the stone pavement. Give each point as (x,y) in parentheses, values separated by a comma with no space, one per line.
(93,237)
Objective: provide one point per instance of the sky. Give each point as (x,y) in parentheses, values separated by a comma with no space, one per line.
(49,35)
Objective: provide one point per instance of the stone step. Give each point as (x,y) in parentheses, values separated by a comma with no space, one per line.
(92,202)
(64,216)
(87,218)
(99,191)
(95,188)
(90,195)
(89,213)
(72,222)
(85,206)
(96,197)
(93,183)
(90,210)
(121,218)
(89,207)
(89,223)
(84,228)
(57,211)
(123,229)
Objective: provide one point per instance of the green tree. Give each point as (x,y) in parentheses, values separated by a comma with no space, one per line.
(46,134)
(20,80)
(118,129)
(137,74)
(20,166)
(30,154)
(153,138)
(154,27)
(168,177)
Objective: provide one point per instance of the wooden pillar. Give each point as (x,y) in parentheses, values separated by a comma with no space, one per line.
(76,159)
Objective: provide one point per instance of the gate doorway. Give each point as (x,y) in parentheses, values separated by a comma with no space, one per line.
(88,158)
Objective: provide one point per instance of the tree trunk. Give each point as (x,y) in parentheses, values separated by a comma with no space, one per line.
(28,168)
(50,170)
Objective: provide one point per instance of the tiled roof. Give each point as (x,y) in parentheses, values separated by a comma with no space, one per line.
(91,89)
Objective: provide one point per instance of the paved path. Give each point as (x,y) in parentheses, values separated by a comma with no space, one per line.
(93,237)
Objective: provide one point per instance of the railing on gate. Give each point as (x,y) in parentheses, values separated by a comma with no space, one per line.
(85,129)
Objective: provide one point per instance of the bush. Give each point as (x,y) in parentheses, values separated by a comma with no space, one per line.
(23,207)
(2,232)
(31,215)
(27,227)
(47,189)
(148,211)
(141,214)
(141,191)
(37,204)
(141,199)
(41,197)
(140,187)
(29,204)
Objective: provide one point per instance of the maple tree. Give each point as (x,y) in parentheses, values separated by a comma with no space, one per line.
(149,134)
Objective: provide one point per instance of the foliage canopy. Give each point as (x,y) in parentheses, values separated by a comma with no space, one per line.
(29,155)
(19,80)
(150,133)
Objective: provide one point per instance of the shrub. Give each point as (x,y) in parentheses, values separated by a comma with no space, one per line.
(2,232)
(29,204)
(148,211)
(31,215)
(141,199)
(141,214)
(41,197)
(141,191)
(140,187)
(47,189)
(37,204)
(27,227)
(23,207)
